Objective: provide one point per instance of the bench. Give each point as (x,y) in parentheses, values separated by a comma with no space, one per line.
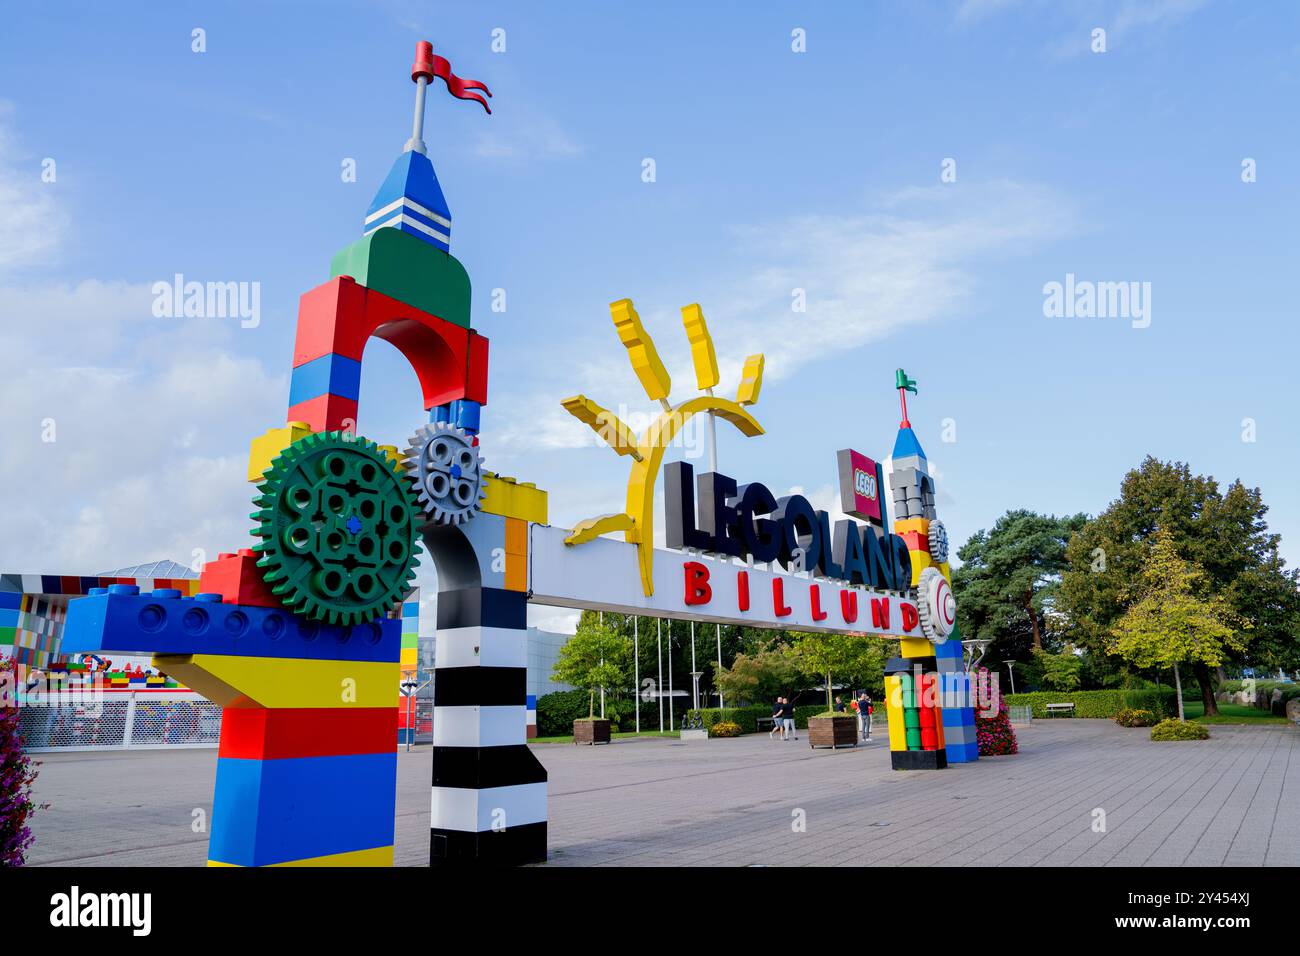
(760,721)
(1057,709)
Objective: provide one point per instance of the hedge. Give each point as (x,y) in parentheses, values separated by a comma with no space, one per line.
(1099,703)
(557,711)
(747,717)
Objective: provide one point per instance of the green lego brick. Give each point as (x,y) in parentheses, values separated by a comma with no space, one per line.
(402,267)
(7,635)
(411,640)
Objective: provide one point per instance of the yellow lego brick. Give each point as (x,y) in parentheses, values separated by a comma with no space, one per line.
(393,454)
(894,713)
(409,657)
(376,856)
(920,561)
(910,647)
(919,525)
(516,536)
(516,572)
(513,499)
(283,681)
(702,353)
(945,571)
(266,447)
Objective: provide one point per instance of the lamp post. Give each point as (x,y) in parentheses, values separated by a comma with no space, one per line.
(1010,665)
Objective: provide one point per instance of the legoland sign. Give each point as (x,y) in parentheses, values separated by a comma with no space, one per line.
(728,542)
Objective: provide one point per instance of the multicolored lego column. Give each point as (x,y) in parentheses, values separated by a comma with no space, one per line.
(927,690)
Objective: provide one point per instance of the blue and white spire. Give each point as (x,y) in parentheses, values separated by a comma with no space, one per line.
(410,198)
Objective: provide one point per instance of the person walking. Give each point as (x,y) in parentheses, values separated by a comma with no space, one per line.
(864,713)
(787,719)
(839,705)
(778,712)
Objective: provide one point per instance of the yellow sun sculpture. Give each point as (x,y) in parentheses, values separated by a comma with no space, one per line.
(647,450)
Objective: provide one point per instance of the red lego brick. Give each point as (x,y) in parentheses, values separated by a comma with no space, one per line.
(260,733)
(238,580)
(330,319)
(915,540)
(325,413)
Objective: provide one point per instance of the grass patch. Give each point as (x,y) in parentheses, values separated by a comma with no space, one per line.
(1230,714)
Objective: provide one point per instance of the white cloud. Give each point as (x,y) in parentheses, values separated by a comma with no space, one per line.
(911,259)
(126,435)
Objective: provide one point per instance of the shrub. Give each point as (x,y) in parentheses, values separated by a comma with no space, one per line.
(557,711)
(1099,703)
(16,775)
(1175,729)
(1132,717)
(995,735)
(725,728)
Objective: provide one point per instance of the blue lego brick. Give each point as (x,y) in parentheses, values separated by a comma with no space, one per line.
(293,808)
(121,619)
(331,374)
(530,702)
(10,601)
(957,754)
(948,650)
(465,414)
(411,609)
(952,717)
(972,751)
(9,617)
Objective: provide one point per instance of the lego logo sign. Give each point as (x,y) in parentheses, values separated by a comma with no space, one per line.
(864,483)
(860,481)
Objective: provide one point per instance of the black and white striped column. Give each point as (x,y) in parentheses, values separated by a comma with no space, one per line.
(489,790)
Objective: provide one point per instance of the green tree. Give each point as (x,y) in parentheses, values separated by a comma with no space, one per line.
(1223,532)
(1062,671)
(850,656)
(761,676)
(1173,619)
(1009,576)
(595,657)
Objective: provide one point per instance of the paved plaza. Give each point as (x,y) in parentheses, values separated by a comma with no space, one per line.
(1231,800)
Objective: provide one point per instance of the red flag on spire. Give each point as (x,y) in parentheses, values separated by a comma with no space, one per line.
(428,65)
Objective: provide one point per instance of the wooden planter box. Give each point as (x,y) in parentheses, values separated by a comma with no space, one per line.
(591,731)
(833,731)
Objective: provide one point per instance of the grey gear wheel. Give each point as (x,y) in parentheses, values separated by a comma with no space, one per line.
(938,542)
(446,469)
(935,605)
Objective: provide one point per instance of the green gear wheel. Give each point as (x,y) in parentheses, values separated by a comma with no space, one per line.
(337,524)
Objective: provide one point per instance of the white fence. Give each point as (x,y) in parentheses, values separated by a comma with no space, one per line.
(122,720)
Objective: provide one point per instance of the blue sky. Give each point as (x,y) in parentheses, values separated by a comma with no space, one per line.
(775,170)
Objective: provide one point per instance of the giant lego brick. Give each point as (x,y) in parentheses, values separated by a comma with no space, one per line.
(918,759)
(513,499)
(268,812)
(238,580)
(163,622)
(401,266)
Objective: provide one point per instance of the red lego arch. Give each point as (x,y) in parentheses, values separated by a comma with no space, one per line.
(338,317)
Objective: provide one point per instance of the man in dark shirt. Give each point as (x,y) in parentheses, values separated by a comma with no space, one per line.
(864,713)
(787,717)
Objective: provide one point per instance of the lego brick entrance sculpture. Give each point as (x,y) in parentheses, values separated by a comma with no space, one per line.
(927,690)
(299,637)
